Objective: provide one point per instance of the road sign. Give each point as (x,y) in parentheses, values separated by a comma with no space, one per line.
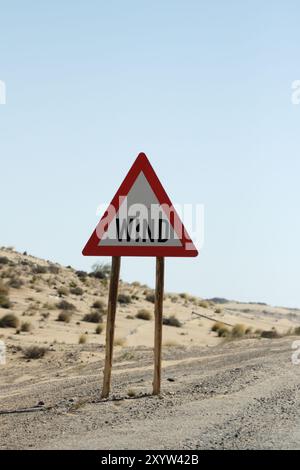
(140,220)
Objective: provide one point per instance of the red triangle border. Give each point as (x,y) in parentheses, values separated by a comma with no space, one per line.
(141,164)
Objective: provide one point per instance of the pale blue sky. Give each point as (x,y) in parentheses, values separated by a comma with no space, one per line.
(203,88)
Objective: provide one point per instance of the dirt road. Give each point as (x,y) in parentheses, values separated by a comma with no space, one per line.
(240,395)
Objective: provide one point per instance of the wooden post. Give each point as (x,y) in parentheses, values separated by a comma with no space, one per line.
(159,297)
(110,325)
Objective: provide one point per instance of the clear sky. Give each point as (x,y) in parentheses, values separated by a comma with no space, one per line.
(202,87)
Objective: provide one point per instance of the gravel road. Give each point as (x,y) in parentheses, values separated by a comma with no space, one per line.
(240,395)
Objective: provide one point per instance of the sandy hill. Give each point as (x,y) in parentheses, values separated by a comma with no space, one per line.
(39,292)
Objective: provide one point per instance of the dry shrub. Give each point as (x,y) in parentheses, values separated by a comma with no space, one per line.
(238,330)
(26,327)
(93,317)
(272,334)
(144,314)
(64,316)
(34,352)
(62,291)
(217,325)
(297,330)
(124,299)
(82,339)
(223,332)
(4,301)
(99,305)
(65,305)
(99,329)
(150,297)
(9,321)
(172,321)
(76,290)
(119,341)
(15,282)
(3,289)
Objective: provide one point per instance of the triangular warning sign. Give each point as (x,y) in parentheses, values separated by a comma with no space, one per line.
(140,220)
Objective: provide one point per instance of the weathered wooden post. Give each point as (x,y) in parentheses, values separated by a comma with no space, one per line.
(110,323)
(159,297)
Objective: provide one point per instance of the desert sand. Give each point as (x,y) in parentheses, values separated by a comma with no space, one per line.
(217,392)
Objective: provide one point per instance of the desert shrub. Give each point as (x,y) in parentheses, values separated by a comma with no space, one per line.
(4,301)
(136,284)
(131,393)
(258,332)
(53,269)
(38,269)
(82,339)
(218,310)
(26,327)
(272,334)
(203,304)
(93,317)
(223,332)
(218,300)
(9,321)
(62,291)
(238,330)
(144,314)
(34,352)
(65,305)
(297,330)
(99,305)
(45,315)
(119,341)
(99,329)
(64,316)
(124,299)
(216,326)
(15,282)
(4,260)
(172,321)
(76,290)
(81,274)
(150,297)
(49,306)
(3,289)
(184,295)
(249,330)
(100,271)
